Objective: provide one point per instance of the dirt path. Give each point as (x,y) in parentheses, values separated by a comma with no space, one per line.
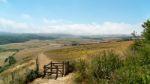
(43,59)
(62,80)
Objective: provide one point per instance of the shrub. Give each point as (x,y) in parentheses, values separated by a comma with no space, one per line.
(33,74)
(136,69)
(72,66)
(103,66)
(81,68)
(11,60)
(100,69)
(132,75)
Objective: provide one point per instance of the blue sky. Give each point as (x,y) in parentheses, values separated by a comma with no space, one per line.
(67,16)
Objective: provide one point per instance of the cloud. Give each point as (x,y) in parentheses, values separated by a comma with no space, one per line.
(54,21)
(26,16)
(92,29)
(4,1)
(7,25)
(56,26)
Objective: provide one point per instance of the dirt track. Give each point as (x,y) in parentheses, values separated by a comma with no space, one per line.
(43,59)
(62,80)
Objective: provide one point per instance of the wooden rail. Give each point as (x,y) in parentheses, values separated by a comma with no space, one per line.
(57,68)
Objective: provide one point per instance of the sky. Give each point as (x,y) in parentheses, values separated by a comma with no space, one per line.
(78,17)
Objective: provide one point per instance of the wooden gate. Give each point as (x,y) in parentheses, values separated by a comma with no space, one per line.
(57,68)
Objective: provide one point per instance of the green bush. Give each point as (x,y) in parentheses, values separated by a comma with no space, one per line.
(81,68)
(103,66)
(136,69)
(11,60)
(100,69)
(33,74)
(132,75)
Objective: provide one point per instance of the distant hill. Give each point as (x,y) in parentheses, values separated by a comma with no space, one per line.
(6,37)
(5,33)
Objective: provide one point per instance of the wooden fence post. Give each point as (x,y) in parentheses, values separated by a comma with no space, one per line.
(37,64)
(51,70)
(56,72)
(66,67)
(63,68)
(44,71)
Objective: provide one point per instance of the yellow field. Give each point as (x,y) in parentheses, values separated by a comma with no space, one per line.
(84,51)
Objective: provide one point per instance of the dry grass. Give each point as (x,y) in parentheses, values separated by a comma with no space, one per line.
(17,72)
(30,48)
(84,51)
(4,55)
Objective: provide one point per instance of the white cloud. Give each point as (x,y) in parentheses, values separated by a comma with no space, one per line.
(26,16)
(56,26)
(7,25)
(4,1)
(92,29)
(54,21)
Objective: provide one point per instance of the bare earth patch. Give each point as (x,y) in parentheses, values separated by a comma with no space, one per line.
(61,80)
(43,60)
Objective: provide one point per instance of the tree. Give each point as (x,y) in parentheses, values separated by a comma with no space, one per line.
(146,32)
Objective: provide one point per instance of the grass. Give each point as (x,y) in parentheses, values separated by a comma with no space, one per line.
(108,68)
(18,71)
(4,55)
(99,70)
(84,51)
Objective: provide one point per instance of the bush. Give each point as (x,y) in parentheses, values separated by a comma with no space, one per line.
(72,66)
(103,66)
(11,60)
(136,69)
(81,68)
(100,69)
(33,74)
(132,75)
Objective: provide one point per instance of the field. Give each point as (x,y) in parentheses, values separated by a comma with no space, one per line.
(86,51)
(55,50)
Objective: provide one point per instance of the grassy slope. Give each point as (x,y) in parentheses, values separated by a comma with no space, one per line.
(83,51)
(4,55)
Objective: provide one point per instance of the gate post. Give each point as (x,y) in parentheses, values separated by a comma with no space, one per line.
(66,67)
(44,71)
(56,72)
(51,70)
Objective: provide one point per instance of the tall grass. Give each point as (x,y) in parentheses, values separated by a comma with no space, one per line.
(107,68)
(81,68)
(136,69)
(100,69)
(103,66)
